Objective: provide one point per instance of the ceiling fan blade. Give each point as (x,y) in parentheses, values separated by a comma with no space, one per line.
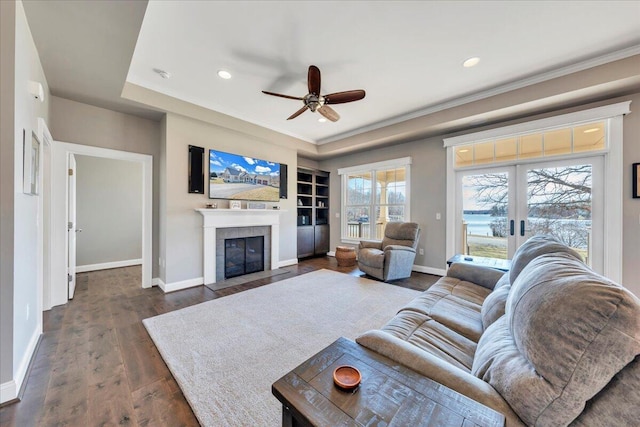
(313,80)
(282,96)
(329,113)
(342,97)
(297,113)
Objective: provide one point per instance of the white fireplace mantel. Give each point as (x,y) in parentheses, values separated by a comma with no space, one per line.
(225,218)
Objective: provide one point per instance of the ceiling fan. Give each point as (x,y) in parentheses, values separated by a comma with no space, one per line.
(316,102)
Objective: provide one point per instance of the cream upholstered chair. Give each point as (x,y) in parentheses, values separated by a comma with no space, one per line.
(392,258)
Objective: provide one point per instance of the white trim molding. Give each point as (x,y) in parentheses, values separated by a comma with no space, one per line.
(8,391)
(599,113)
(613,174)
(225,218)
(287,262)
(58,251)
(108,265)
(377,165)
(429,270)
(177,286)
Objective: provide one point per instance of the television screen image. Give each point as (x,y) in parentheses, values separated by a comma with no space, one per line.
(232,176)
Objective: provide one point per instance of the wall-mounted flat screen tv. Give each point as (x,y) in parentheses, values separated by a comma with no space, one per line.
(232,176)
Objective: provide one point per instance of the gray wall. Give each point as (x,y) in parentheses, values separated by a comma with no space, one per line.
(428,183)
(183,232)
(20,223)
(98,127)
(428,188)
(109,210)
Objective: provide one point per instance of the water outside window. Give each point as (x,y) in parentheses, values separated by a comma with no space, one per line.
(558,202)
(485,203)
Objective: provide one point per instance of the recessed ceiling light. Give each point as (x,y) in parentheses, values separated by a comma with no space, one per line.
(224,74)
(322,120)
(592,130)
(162,73)
(471,62)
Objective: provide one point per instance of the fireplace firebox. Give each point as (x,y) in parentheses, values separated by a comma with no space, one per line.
(243,255)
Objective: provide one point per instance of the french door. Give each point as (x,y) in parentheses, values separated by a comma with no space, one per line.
(499,208)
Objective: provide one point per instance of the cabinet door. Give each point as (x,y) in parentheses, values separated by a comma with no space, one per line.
(305,241)
(321,239)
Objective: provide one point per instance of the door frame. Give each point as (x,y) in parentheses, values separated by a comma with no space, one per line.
(613,170)
(58,255)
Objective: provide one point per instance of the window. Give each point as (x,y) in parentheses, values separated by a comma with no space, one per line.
(373,195)
(548,176)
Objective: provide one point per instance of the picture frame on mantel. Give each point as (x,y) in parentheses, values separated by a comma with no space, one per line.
(235,204)
(636,180)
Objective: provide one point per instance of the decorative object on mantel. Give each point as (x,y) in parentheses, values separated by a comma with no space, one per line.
(275,207)
(256,205)
(636,180)
(235,204)
(211,206)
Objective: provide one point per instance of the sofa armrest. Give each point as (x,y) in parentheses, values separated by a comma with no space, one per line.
(438,370)
(483,276)
(376,244)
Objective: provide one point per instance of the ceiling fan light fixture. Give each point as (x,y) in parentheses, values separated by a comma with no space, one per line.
(322,120)
(471,62)
(224,74)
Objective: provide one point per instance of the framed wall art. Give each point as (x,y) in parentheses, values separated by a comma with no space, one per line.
(636,180)
(31,163)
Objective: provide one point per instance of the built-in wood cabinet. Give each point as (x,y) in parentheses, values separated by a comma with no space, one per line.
(313,212)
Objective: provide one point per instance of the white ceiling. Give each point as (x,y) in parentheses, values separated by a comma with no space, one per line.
(406,55)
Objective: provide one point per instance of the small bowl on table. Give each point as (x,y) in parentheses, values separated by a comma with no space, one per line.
(347,377)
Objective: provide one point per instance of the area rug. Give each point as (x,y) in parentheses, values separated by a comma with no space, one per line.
(226,353)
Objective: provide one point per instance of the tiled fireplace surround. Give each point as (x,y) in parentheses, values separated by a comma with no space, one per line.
(221,224)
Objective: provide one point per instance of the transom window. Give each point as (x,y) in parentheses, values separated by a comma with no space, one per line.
(373,195)
(581,138)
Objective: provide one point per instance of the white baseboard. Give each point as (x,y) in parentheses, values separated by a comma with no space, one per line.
(429,270)
(155,281)
(8,391)
(288,262)
(107,265)
(331,253)
(176,286)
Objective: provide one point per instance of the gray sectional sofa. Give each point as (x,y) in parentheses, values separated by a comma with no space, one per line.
(550,343)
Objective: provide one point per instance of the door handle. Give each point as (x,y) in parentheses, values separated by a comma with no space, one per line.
(512,227)
(522,230)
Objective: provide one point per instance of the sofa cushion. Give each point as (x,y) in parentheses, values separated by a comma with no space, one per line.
(494,305)
(401,233)
(617,404)
(566,333)
(454,303)
(534,247)
(433,337)
(371,257)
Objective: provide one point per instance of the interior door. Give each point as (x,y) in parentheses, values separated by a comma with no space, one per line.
(71,227)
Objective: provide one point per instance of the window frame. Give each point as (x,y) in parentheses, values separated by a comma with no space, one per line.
(612,115)
(372,168)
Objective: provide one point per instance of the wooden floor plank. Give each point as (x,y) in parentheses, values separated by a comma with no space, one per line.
(96,364)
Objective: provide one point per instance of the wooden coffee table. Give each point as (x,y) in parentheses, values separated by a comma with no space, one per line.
(389,394)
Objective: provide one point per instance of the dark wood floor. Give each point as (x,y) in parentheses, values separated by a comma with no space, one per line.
(96,365)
